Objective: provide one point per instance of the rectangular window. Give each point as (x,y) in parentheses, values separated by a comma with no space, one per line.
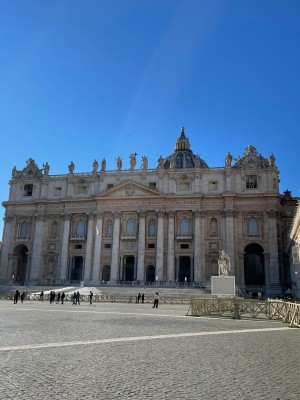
(28,189)
(57,191)
(151,246)
(184,185)
(107,246)
(251,182)
(152,185)
(81,189)
(109,185)
(184,246)
(213,185)
(78,246)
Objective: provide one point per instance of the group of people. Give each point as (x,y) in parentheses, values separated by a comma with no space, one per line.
(53,297)
(18,295)
(142,298)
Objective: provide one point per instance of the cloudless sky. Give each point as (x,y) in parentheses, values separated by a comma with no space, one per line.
(87,79)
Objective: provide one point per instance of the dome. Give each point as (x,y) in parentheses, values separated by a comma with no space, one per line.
(183,157)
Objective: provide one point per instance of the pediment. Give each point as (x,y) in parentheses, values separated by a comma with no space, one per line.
(130,189)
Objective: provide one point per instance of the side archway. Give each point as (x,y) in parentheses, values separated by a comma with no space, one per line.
(254,265)
(21,254)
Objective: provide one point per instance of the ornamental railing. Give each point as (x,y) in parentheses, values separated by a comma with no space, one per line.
(243,308)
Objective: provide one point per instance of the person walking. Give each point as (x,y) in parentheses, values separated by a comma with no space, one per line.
(74,299)
(143,298)
(63,297)
(156,300)
(22,297)
(138,297)
(78,298)
(42,296)
(16,297)
(91,297)
(58,298)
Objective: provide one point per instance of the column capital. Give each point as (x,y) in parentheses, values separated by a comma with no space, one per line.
(142,214)
(160,214)
(171,214)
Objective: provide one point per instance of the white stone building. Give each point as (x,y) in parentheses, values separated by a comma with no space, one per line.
(293,250)
(166,224)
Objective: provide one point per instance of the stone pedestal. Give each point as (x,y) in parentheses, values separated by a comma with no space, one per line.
(223,285)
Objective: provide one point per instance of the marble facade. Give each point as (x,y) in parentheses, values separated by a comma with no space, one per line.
(166,225)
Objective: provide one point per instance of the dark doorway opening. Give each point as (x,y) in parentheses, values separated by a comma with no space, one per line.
(20,252)
(150,273)
(184,273)
(254,265)
(77,269)
(129,268)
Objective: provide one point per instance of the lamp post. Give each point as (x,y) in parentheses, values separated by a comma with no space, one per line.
(185,280)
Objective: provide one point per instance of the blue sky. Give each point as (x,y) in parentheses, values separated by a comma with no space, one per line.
(84,80)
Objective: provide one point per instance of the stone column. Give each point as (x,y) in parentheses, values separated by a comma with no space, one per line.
(171,255)
(160,247)
(229,237)
(197,248)
(115,249)
(65,247)
(36,259)
(273,271)
(97,248)
(89,249)
(5,271)
(141,247)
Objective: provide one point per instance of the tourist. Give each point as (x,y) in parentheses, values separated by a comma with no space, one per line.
(156,300)
(91,297)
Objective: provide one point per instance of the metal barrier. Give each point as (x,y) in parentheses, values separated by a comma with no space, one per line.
(243,308)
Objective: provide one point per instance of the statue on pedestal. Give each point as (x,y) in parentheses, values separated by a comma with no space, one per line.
(224,264)
(145,162)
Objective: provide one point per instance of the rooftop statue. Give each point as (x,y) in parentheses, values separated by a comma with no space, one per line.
(228,160)
(95,166)
(119,163)
(71,167)
(132,160)
(160,162)
(145,162)
(46,168)
(103,164)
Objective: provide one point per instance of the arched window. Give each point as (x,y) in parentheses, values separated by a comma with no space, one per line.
(80,228)
(130,227)
(24,231)
(213,227)
(252,227)
(53,229)
(152,227)
(185,226)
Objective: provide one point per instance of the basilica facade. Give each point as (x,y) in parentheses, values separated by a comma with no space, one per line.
(166,225)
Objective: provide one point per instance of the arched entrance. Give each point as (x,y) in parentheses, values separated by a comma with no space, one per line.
(150,273)
(254,265)
(129,268)
(77,269)
(20,252)
(184,273)
(106,273)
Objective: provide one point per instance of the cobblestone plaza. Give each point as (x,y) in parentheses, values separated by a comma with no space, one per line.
(131,351)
